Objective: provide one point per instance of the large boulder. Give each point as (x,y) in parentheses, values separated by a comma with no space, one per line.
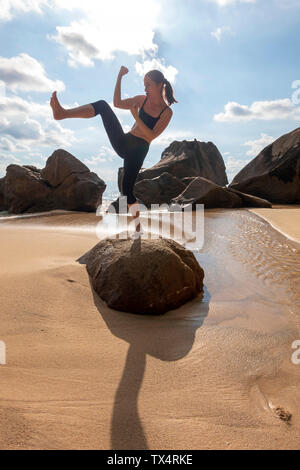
(144,276)
(60,165)
(186,159)
(65,183)
(203,191)
(25,190)
(190,158)
(158,190)
(3,204)
(275,173)
(249,200)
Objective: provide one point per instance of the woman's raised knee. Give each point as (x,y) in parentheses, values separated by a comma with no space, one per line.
(99,106)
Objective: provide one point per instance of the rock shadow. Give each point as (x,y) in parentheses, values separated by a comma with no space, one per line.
(168,337)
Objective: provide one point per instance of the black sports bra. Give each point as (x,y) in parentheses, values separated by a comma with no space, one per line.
(150,121)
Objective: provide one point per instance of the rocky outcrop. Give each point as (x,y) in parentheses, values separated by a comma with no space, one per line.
(190,172)
(3,204)
(145,276)
(190,190)
(187,159)
(190,158)
(25,190)
(158,190)
(275,173)
(203,191)
(65,183)
(248,200)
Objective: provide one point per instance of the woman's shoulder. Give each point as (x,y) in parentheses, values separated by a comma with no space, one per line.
(141,99)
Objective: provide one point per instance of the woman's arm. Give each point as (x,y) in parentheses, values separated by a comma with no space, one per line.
(117,93)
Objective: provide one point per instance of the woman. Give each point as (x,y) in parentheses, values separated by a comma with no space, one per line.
(151,120)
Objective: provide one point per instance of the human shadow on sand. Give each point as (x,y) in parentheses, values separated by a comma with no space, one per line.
(168,337)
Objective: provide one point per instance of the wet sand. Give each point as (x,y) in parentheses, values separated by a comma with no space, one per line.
(209,375)
(286,219)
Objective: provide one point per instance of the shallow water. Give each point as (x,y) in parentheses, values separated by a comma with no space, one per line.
(219,238)
(261,250)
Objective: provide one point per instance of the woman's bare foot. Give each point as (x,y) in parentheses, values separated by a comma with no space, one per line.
(57,109)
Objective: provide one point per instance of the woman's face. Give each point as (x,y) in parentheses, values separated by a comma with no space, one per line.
(151,88)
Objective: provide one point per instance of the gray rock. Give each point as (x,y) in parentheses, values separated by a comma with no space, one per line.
(144,276)
(275,173)
(25,190)
(64,183)
(186,159)
(3,204)
(188,180)
(250,201)
(204,191)
(158,190)
(60,165)
(190,159)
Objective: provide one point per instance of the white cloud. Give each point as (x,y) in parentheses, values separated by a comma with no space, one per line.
(257,145)
(9,145)
(25,73)
(2,88)
(10,7)
(108,173)
(233,166)
(107,28)
(169,71)
(105,154)
(264,110)
(8,159)
(221,31)
(223,3)
(5,160)
(167,137)
(26,124)
(56,135)
(27,129)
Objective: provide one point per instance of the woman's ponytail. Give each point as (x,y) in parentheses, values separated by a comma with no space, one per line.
(169,92)
(158,77)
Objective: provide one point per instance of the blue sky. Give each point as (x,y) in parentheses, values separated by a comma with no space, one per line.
(233,65)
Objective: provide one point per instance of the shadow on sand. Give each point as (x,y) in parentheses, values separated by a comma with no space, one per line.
(168,337)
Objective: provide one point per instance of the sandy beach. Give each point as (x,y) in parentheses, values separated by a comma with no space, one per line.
(214,374)
(285,220)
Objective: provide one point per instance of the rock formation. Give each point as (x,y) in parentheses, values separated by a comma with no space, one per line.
(189,172)
(2,200)
(203,191)
(131,276)
(158,190)
(275,173)
(187,159)
(65,183)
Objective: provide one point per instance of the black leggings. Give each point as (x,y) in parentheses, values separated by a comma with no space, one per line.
(129,147)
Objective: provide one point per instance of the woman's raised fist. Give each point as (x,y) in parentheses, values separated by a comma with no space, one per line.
(123,70)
